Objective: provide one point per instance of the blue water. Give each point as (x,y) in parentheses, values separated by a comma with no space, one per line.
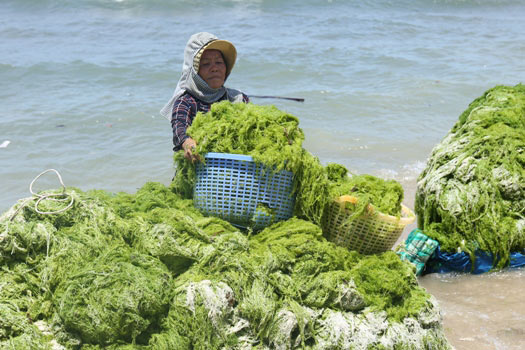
(383,81)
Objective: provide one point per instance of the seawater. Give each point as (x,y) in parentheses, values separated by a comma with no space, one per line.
(383,83)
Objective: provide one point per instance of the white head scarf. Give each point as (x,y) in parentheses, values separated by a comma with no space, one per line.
(190,80)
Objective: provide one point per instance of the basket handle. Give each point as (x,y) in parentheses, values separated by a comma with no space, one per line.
(354,200)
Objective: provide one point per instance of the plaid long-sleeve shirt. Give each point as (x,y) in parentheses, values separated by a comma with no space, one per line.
(185,109)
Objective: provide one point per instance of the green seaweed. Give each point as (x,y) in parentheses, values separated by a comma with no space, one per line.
(148,271)
(274,138)
(116,297)
(471,195)
(385,195)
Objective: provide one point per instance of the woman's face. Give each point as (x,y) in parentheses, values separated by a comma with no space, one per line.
(212,68)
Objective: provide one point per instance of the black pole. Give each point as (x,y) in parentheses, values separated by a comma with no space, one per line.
(280,97)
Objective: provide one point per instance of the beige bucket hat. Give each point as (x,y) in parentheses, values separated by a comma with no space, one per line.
(225,47)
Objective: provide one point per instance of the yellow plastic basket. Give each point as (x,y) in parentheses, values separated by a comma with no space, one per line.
(371,233)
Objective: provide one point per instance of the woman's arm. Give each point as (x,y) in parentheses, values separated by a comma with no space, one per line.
(184,110)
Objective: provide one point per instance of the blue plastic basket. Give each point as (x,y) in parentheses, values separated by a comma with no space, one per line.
(237,189)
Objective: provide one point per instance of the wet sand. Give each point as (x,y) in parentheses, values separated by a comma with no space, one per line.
(481,312)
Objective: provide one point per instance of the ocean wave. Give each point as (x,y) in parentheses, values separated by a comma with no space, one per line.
(181,5)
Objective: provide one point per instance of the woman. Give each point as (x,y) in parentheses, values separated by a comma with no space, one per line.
(208,62)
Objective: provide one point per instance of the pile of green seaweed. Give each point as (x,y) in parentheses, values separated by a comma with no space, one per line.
(273,137)
(148,271)
(385,195)
(471,196)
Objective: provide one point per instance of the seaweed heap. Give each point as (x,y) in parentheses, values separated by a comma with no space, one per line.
(385,195)
(273,138)
(471,196)
(270,136)
(148,271)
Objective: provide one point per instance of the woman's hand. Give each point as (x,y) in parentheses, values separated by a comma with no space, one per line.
(190,146)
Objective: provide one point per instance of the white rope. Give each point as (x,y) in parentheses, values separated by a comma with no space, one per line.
(46,196)
(49,196)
